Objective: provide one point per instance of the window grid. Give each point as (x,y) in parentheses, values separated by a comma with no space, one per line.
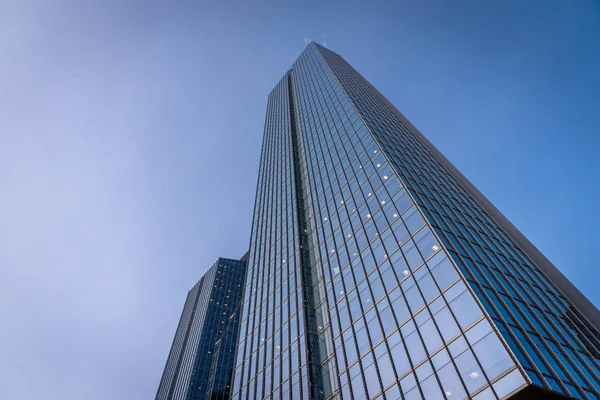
(511,286)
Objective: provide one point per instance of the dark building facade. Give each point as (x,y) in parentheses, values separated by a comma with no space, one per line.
(376,270)
(206,318)
(223,360)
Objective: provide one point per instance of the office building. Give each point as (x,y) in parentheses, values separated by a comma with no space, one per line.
(208,316)
(376,270)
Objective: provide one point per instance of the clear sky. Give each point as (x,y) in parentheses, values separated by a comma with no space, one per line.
(130,136)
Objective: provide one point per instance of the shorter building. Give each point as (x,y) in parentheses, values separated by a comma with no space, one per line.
(210,315)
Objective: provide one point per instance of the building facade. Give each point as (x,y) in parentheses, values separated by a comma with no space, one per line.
(208,315)
(223,360)
(376,270)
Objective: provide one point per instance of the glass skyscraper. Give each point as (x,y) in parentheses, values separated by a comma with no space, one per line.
(210,315)
(377,271)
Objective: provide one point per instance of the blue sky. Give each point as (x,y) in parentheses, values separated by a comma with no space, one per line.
(130,136)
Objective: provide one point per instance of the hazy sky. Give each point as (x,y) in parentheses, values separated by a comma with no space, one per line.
(130,136)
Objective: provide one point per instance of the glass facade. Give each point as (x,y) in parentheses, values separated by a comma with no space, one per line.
(223,358)
(272,347)
(209,316)
(552,340)
(375,273)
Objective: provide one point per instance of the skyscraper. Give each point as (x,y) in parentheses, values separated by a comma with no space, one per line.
(376,270)
(210,313)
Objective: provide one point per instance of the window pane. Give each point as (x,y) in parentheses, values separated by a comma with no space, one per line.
(465,309)
(358,388)
(385,370)
(469,371)
(451,382)
(414,346)
(492,355)
(372,380)
(431,389)
(413,395)
(393,393)
(408,382)
(487,394)
(509,383)
(446,324)
(443,272)
(428,287)
(398,354)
